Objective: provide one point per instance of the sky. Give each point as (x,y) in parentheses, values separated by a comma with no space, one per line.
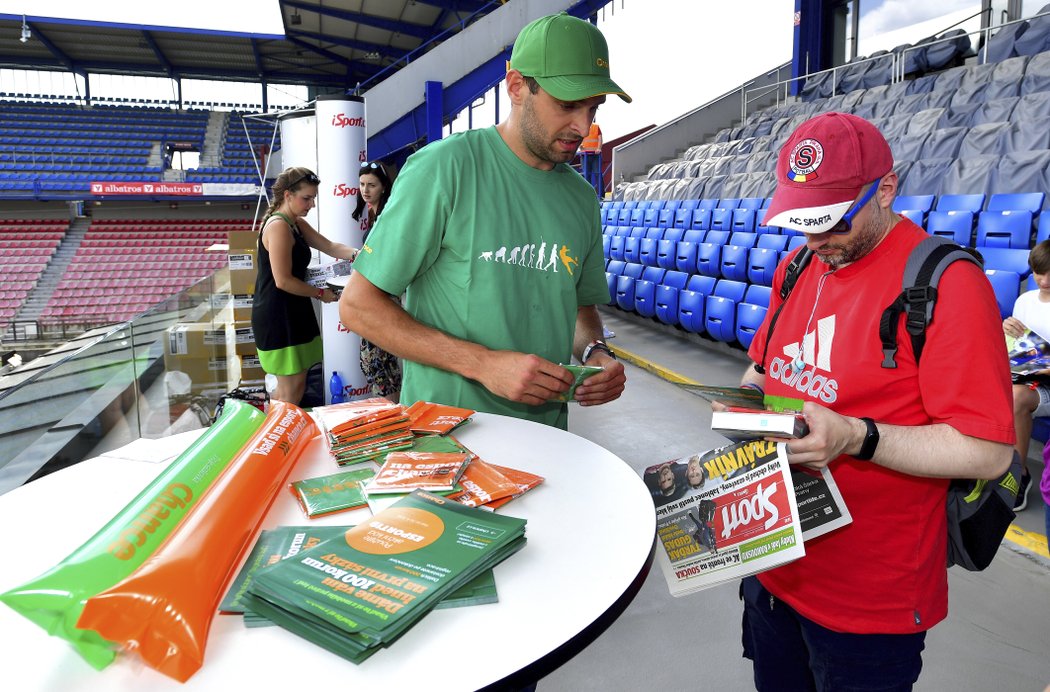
(671,56)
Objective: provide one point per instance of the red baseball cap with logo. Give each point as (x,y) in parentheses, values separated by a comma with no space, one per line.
(822,168)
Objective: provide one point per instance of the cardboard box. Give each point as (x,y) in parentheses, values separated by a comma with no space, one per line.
(240,241)
(242,261)
(199,351)
(241,303)
(240,339)
(250,369)
(242,281)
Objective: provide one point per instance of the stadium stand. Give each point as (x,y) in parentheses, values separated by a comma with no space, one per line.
(970,132)
(124,267)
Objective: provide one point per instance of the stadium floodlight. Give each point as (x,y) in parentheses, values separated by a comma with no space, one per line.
(26,33)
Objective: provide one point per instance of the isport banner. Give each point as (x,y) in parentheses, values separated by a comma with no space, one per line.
(341,147)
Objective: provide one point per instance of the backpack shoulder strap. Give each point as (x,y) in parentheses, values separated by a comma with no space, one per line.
(922,273)
(794,269)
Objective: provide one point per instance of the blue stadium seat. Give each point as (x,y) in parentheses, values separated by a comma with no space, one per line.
(1042,231)
(709,253)
(721,219)
(750,313)
(665,219)
(956,225)
(648,246)
(914,215)
(616,243)
(606,243)
(638,216)
(720,309)
(1031,202)
(744,219)
(652,214)
(613,269)
(645,291)
(709,258)
(632,245)
(667,296)
(685,254)
(923,203)
(625,285)
(761,265)
(709,203)
(971,203)
(1007,286)
(701,220)
(773,241)
(734,262)
(1010,259)
(683,215)
(1004,229)
(751,203)
(667,248)
(692,300)
(623,217)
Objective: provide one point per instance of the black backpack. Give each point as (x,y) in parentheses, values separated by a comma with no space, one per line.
(979,511)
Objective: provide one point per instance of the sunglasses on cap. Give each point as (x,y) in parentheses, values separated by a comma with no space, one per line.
(845,224)
(310,178)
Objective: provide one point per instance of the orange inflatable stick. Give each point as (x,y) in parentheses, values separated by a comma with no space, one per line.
(164,609)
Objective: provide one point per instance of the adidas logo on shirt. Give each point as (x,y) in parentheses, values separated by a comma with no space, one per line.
(813,353)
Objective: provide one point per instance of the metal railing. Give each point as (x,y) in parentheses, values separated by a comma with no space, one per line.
(898,62)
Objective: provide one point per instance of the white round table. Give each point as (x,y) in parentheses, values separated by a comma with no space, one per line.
(591,529)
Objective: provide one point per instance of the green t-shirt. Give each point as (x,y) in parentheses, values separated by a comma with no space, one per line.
(490,250)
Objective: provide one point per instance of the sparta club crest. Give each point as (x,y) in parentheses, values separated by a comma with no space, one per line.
(804,160)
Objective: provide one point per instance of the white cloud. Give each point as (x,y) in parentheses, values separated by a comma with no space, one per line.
(896,14)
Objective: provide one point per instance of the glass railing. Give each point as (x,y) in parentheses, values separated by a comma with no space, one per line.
(158,374)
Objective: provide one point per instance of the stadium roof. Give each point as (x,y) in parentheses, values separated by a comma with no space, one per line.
(328,44)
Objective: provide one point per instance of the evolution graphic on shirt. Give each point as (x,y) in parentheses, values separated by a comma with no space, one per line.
(531,257)
(801,362)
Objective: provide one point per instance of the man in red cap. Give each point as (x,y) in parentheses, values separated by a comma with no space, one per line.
(496,243)
(853,613)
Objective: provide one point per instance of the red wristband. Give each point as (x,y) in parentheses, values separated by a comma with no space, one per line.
(320,293)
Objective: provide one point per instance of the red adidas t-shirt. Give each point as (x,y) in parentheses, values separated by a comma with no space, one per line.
(885,572)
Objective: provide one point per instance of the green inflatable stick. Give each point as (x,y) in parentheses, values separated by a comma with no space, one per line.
(55,599)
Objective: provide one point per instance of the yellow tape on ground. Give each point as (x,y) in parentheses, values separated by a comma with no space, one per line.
(1028,540)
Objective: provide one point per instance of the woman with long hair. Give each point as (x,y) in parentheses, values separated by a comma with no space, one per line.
(382,370)
(286,331)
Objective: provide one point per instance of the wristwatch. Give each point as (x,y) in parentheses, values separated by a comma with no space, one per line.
(871,441)
(596,345)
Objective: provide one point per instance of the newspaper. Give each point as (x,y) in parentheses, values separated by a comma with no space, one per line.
(820,505)
(724,514)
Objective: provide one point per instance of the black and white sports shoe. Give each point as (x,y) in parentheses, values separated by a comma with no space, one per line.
(1021,501)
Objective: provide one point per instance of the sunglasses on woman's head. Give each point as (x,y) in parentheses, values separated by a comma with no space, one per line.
(310,178)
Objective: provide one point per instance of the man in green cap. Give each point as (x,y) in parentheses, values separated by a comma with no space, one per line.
(496,243)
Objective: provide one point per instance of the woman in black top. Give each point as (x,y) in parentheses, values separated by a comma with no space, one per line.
(283,320)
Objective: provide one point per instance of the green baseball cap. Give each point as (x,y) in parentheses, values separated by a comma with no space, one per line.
(567,56)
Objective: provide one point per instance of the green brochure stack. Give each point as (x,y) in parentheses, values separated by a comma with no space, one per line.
(358,592)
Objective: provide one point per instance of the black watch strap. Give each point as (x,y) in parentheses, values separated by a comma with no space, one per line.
(596,345)
(871,441)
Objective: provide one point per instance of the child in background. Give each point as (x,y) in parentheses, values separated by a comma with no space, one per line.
(1031,312)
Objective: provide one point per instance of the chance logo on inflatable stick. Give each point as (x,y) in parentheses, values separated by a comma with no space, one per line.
(164,610)
(54,600)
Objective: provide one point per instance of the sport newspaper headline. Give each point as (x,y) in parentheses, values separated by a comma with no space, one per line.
(742,519)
